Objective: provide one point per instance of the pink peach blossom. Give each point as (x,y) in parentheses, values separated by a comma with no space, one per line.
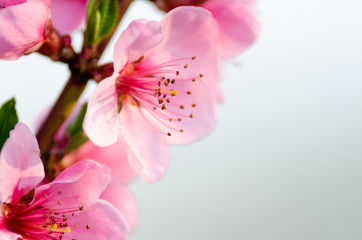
(68,14)
(66,208)
(158,94)
(238,22)
(24,26)
(115,157)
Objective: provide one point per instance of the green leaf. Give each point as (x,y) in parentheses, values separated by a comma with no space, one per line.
(75,125)
(76,141)
(75,131)
(109,13)
(101,19)
(8,119)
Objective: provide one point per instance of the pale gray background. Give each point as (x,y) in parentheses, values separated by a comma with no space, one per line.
(285,160)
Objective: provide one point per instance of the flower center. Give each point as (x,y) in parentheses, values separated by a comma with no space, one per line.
(33,221)
(164,90)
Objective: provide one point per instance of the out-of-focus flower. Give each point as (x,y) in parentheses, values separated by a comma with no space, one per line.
(115,157)
(68,14)
(238,22)
(66,208)
(158,94)
(168,5)
(24,26)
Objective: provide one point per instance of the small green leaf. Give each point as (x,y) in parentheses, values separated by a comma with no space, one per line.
(109,12)
(75,130)
(8,119)
(75,125)
(76,141)
(101,19)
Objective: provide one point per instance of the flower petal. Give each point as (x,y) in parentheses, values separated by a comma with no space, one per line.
(6,234)
(138,38)
(102,221)
(238,22)
(21,168)
(188,32)
(68,14)
(79,185)
(17,33)
(198,121)
(124,201)
(114,156)
(101,119)
(148,152)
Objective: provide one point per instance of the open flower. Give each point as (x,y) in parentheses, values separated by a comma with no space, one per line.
(115,157)
(238,22)
(24,26)
(158,94)
(68,14)
(66,208)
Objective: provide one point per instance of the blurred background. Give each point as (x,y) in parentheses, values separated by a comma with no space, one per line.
(285,159)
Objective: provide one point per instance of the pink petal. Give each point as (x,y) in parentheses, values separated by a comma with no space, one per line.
(203,117)
(148,152)
(104,220)
(17,33)
(68,14)
(213,77)
(239,24)
(114,156)
(6,234)
(78,185)
(21,168)
(177,43)
(101,120)
(124,201)
(138,38)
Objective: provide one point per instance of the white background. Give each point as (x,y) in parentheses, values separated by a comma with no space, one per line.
(285,160)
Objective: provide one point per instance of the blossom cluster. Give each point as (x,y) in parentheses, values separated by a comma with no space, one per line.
(162,88)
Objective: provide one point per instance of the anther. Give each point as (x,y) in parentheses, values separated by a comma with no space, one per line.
(170,119)
(179,119)
(194,79)
(201,75)
(88,227)
(181,130)
(160,101)
(173,81)
(189,92)
(169,134)
(191,116)
(81,208)
(193,105)
(168,100)
(177,73)
(193,58)
(186,66)
(59,202)
(182,106)
(163,107)
(59,192)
